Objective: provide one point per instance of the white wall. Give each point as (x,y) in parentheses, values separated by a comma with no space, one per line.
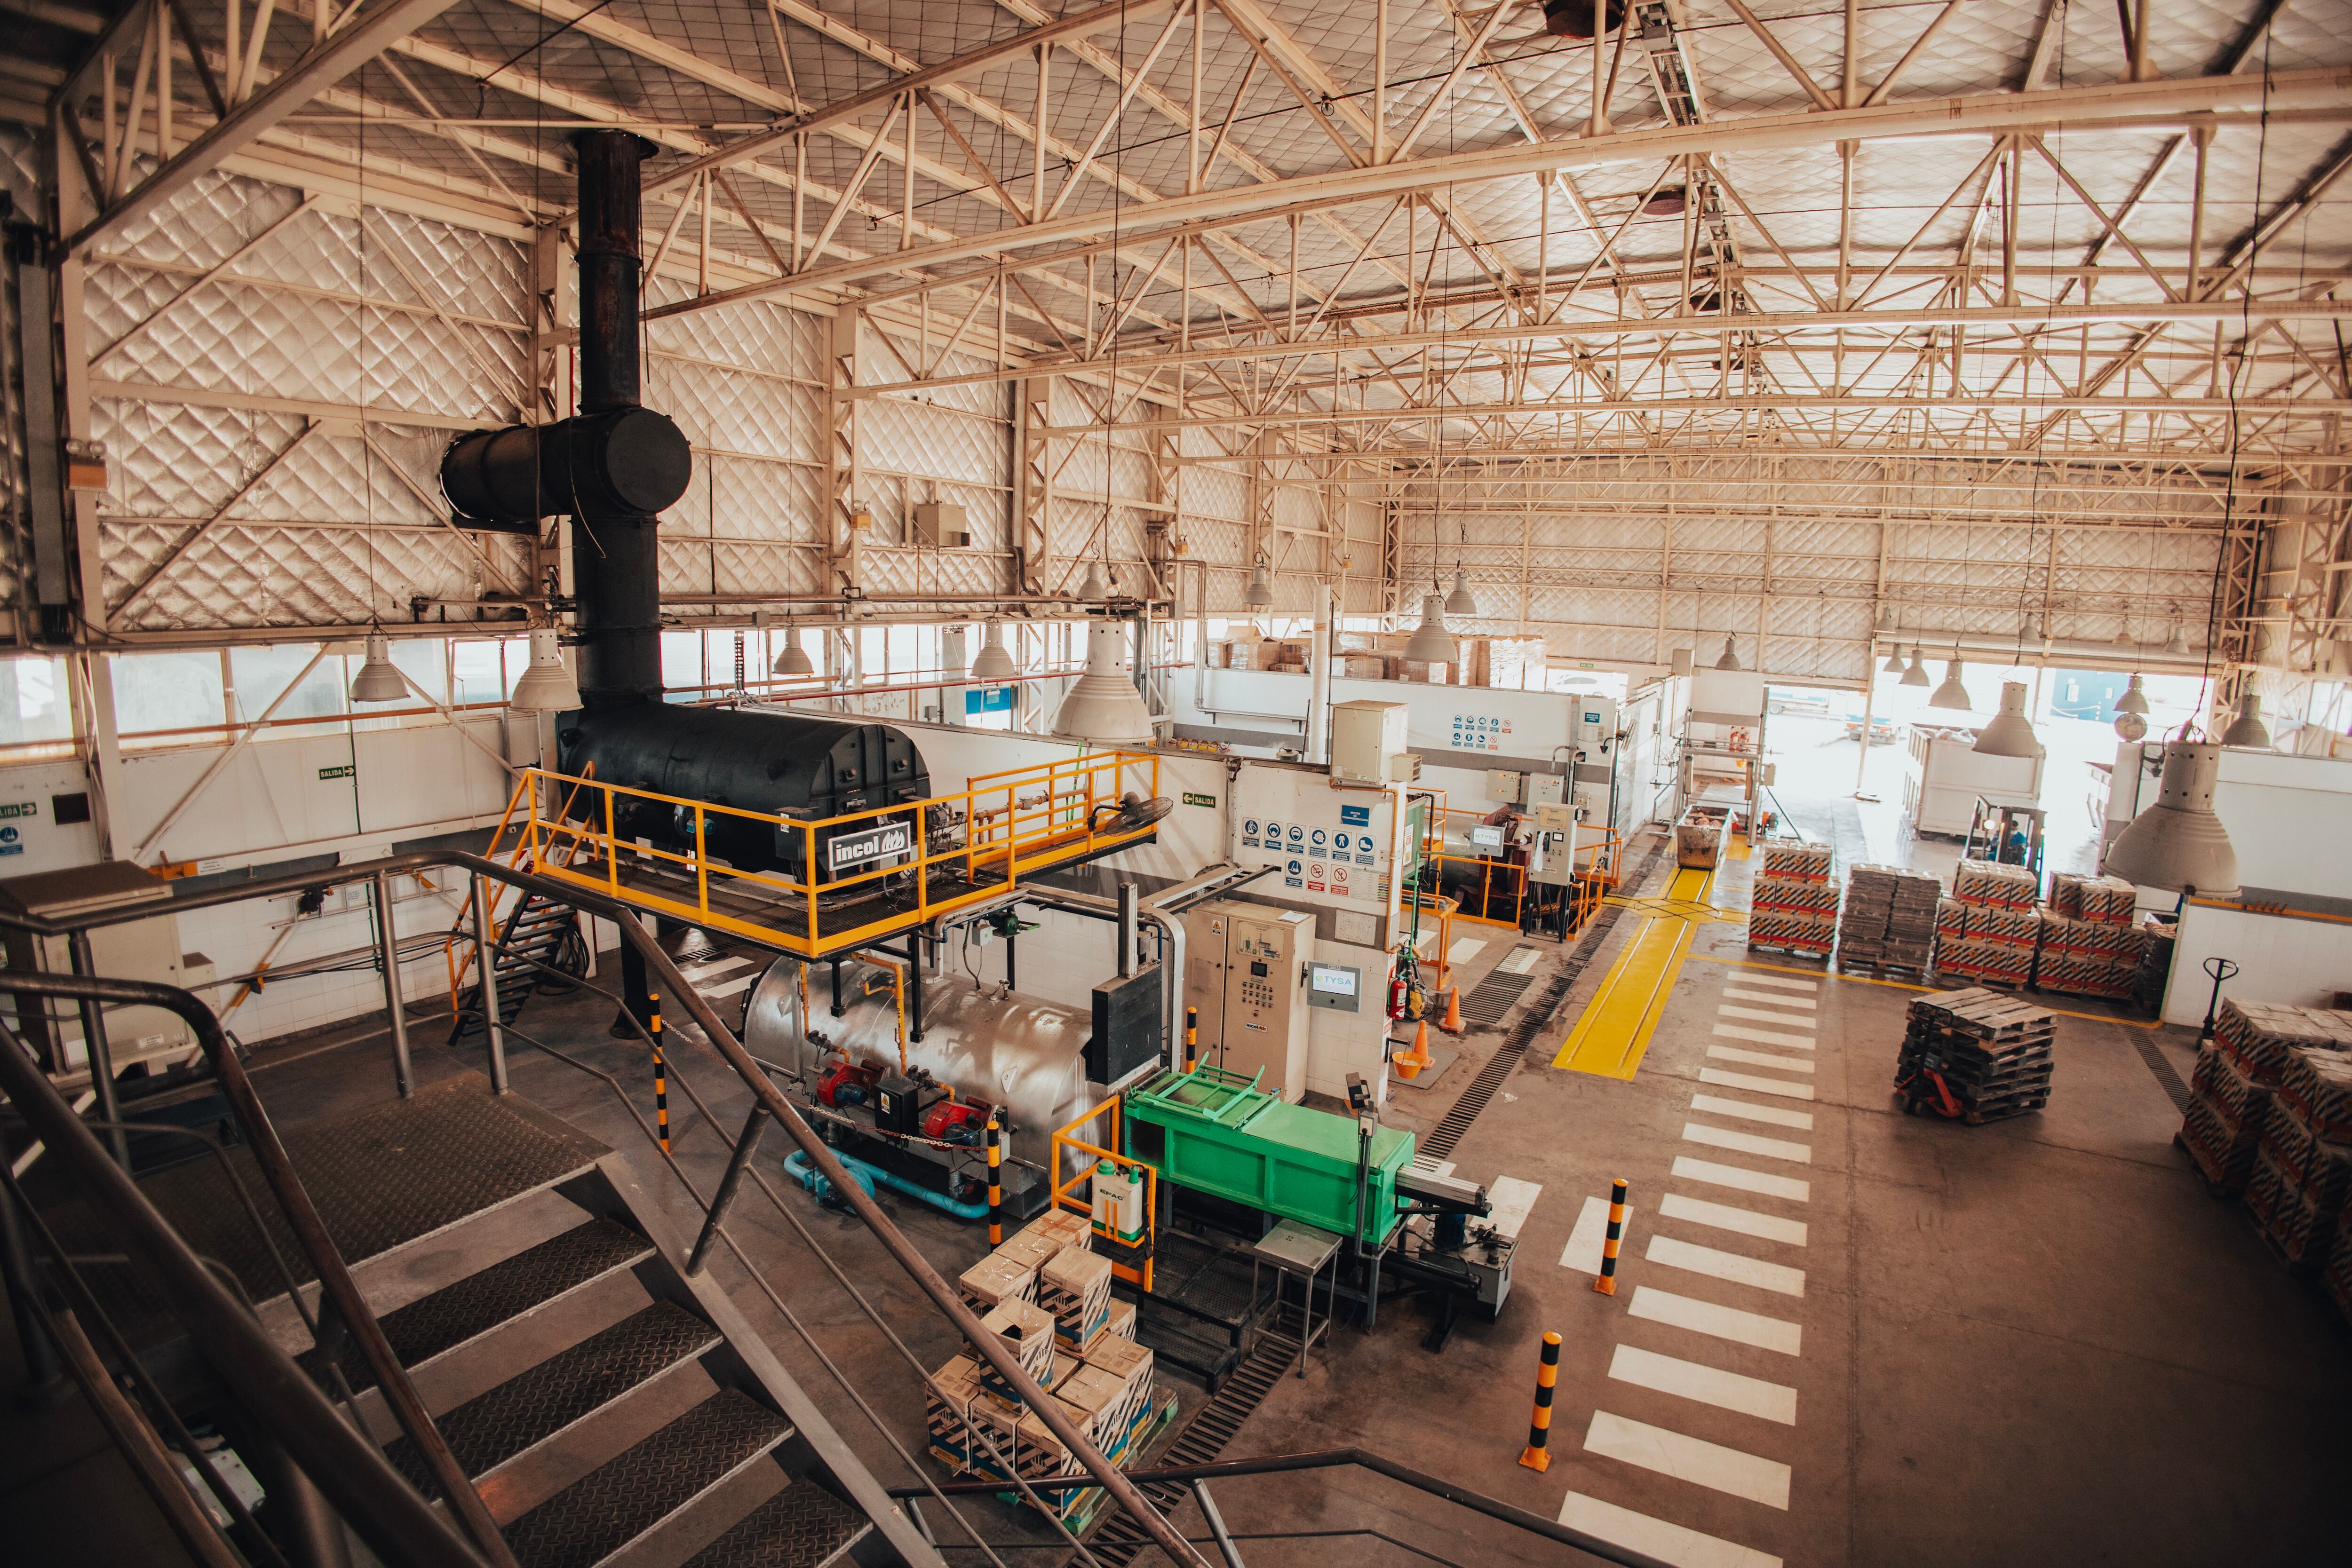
(2280,958)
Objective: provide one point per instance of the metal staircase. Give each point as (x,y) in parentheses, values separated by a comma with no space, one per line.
(607,1407)
(540,935)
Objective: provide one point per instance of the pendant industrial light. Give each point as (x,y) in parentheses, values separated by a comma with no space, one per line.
(2011,733)
(1259,595)
(1894,666)
(994,666)
(1104,705)
(547,686)
(795,660)
(2135,697)
(1952,694)
(1731,659)
(1091,590)
(1461,601)
(2178,844)
(1915,673)
(1431,643)
(2178,643)
(2248,728)
(379,679)
(1887,620)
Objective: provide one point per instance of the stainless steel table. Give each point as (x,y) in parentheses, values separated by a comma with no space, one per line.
(1302,1251)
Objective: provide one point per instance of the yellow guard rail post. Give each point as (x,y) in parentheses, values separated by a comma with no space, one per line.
(1065,1196)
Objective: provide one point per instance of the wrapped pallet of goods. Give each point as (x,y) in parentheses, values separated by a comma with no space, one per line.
(1888,920)
(2223,1121)
(2258,1035)
(1793,906)
(1996,884)
(1999,928)
(2086,958)
(2294,1192)
(2337,1277)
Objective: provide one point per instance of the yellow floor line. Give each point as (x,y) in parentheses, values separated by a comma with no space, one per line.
(1615,1029)
(1906,985)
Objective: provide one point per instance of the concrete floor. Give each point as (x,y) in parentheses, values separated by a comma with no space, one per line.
(2033,1342)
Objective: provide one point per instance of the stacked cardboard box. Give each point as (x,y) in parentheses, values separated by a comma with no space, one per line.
(2295,1190)
(1974,1055)
(2257,1036)
(2088,957)
(2339,1277)
(2107,899)
(1075,1287)
(1889,919)
(1794,904)
(1997,926)
(2224,1119)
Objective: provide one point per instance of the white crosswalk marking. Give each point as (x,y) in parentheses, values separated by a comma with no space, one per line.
(1742,1179)
(1757,1085)
(1764,1036)
(1735,1266)
(1687,1458)
(735,987)
(1725,1216)
(1748,1142)
(1759,1059)
(1737,995)
(1584,1251)
(1750,977)
(1657,1538)
(1775,1114)
(1707,1384)
(698,973)
(1732,1010)
(1724,1322)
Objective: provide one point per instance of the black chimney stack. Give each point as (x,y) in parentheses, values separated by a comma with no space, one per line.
(613,466)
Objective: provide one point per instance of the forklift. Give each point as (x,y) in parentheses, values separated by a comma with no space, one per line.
(2009,834)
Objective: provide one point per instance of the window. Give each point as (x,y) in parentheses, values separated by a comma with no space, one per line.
(34,708)
(262,674)
(475,675)
(161,696)
(681,657)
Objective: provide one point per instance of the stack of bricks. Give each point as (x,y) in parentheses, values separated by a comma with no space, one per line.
(1889,921)
(1993,934)
(1795,904)
(2296,1190)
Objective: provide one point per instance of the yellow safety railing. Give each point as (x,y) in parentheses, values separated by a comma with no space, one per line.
(1496,890)
(457,950)
(1065,1190)
(960,848)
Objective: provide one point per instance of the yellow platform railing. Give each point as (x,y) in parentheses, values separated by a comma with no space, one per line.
(962,849)
(1066,1194)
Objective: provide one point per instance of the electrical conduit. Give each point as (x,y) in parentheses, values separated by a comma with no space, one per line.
(870,1177)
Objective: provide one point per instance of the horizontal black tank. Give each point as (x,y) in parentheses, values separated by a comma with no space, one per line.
(799,766)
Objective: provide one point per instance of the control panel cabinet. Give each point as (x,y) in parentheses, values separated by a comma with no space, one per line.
(1244,971)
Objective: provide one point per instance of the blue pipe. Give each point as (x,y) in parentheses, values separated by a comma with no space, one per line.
(870,1177)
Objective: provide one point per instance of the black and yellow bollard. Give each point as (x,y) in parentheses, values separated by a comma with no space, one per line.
(1538,1454)
(1606,1283)
(1191,1038)
(661,1069)
(995,1183)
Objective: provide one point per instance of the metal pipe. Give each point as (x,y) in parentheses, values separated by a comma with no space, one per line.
(97,1053)
(1215,1521)
(1127,912)
(43,1385)
(397,1524)
(1201,640)
(1319,691)
(724,1198)
(387,958)
(486,972)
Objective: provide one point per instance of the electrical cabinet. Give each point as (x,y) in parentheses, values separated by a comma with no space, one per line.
(941,525)
(1365,736)
(1246,972)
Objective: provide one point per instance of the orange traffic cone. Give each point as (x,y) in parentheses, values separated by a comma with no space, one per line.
(1409,1064)
(1452,1024)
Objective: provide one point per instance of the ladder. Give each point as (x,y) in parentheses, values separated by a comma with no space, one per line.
(536,934)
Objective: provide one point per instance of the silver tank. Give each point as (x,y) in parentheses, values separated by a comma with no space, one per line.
(1027,1056)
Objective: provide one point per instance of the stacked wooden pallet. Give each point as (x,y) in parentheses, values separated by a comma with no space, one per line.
(1975,1056)
(1889,920)
(1793,906)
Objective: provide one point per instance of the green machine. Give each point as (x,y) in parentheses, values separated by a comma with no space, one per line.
(1218,1132)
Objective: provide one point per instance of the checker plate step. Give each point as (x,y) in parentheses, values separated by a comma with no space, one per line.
(568,1386)
(802,1526)
(479,1302)
(595,1518)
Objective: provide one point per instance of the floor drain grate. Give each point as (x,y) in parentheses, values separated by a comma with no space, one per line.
(1120,1541)
(2161,1065)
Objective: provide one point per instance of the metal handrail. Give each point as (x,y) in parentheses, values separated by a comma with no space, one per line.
(398,1524)
(723,1041)
(1334,1458)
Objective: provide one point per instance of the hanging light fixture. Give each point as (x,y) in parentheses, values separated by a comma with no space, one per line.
(379,679)
(2135,697)
(2178,644)
(1461,601)
(547,686)
(1730,658)
(1952,694)
(1915,673)
(2032,632)
(2131,727)
(1104,705)
(2011,733)
(1091,590)
(2248,728)
(795,660)
(1887,620)
(2178,844)
(1894,666)
(1431,643)
(1259,595)
(994,666)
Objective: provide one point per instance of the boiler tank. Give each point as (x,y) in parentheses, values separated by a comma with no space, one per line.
(1028,1057)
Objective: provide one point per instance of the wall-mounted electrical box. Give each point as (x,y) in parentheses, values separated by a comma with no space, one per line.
(1338,987)
(1506,789)
(1367,739)
(1545,790)
(941,525)
(1246,972)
